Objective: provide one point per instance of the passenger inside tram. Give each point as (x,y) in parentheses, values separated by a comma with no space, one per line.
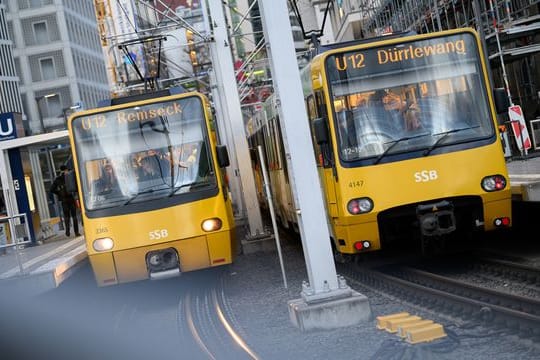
(107,183)
(149,168)
(188,155)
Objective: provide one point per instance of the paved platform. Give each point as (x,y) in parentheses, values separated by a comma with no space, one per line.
(39,268)
(525,177)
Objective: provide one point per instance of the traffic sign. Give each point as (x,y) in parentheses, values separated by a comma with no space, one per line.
(523,141)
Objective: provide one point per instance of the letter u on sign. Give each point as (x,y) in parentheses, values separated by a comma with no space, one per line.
(6,129)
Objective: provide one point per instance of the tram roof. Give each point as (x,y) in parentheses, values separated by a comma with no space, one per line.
(139,97)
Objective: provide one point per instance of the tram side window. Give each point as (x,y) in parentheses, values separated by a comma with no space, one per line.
(204,163)
(272,144)
(311,108)
(324,152)
(2,204)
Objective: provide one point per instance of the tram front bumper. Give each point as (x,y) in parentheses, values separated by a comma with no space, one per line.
(195,253)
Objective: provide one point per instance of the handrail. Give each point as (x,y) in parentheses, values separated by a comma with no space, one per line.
(15,237)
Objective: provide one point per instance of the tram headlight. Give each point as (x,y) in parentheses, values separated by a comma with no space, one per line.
(103,244)
(360,206)
(212,224)
(493,183)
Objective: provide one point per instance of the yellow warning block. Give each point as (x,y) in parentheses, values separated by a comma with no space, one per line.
(404,328)
(425,333)
(393,324)
(383,320)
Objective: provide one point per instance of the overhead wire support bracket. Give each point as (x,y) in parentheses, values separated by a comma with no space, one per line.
(151,80)
(177,19)
(313,35)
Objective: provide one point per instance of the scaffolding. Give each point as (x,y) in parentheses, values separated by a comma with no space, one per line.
(508,28)
(509,31)
(136,38)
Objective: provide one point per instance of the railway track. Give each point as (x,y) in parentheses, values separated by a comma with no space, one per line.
(206,323)
(188,319)
(514,271)
(457,298)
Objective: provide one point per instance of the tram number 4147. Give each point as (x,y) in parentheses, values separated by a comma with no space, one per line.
(158,234)
(356,183)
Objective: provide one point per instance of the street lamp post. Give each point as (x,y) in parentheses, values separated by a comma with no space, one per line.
(38,100)
(66,112)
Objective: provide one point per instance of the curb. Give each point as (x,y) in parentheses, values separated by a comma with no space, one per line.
(47,276)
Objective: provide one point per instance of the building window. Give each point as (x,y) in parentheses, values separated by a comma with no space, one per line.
(54,106)
(48,71)
(41,34)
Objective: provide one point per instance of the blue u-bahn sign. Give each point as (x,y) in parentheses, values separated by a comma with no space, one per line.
(8,129)
(11,127)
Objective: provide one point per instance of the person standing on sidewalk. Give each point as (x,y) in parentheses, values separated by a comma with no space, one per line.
(67,199)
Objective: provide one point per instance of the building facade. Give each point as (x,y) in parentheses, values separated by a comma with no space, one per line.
(58,59)
(10,100)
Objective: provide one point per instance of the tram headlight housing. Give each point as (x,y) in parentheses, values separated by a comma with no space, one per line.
(360,206)
(103,244)
(493,183)
(212,224)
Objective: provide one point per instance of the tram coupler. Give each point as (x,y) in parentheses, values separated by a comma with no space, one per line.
(163,264)
(436,218)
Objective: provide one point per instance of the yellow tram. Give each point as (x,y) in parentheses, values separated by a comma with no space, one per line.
(153,195)
(406,140)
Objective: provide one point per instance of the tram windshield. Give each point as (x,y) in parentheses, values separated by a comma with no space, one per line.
(142,153)
(412,96)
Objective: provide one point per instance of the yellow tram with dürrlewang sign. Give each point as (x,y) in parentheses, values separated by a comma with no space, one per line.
(406,140)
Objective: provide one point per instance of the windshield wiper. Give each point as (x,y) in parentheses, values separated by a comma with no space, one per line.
(394,143)
(148,191)
(444,135)
(193,185)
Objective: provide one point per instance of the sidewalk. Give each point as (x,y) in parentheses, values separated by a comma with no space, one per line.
(525,178)
(40,268)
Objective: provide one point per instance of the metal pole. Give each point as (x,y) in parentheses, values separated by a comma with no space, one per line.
(496,27)
(224,127)
(13,232)
(40,114)
(272,213)
(437,16)
(482,33)
(311,213)
(227,89)
(38,100)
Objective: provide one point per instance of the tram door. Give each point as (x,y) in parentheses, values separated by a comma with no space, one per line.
(50,160)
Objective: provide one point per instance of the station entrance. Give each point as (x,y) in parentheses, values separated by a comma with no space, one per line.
(29,213)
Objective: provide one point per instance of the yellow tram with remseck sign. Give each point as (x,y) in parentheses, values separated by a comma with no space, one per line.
(153,194)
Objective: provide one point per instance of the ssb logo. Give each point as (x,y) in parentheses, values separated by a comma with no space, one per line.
(425,175)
